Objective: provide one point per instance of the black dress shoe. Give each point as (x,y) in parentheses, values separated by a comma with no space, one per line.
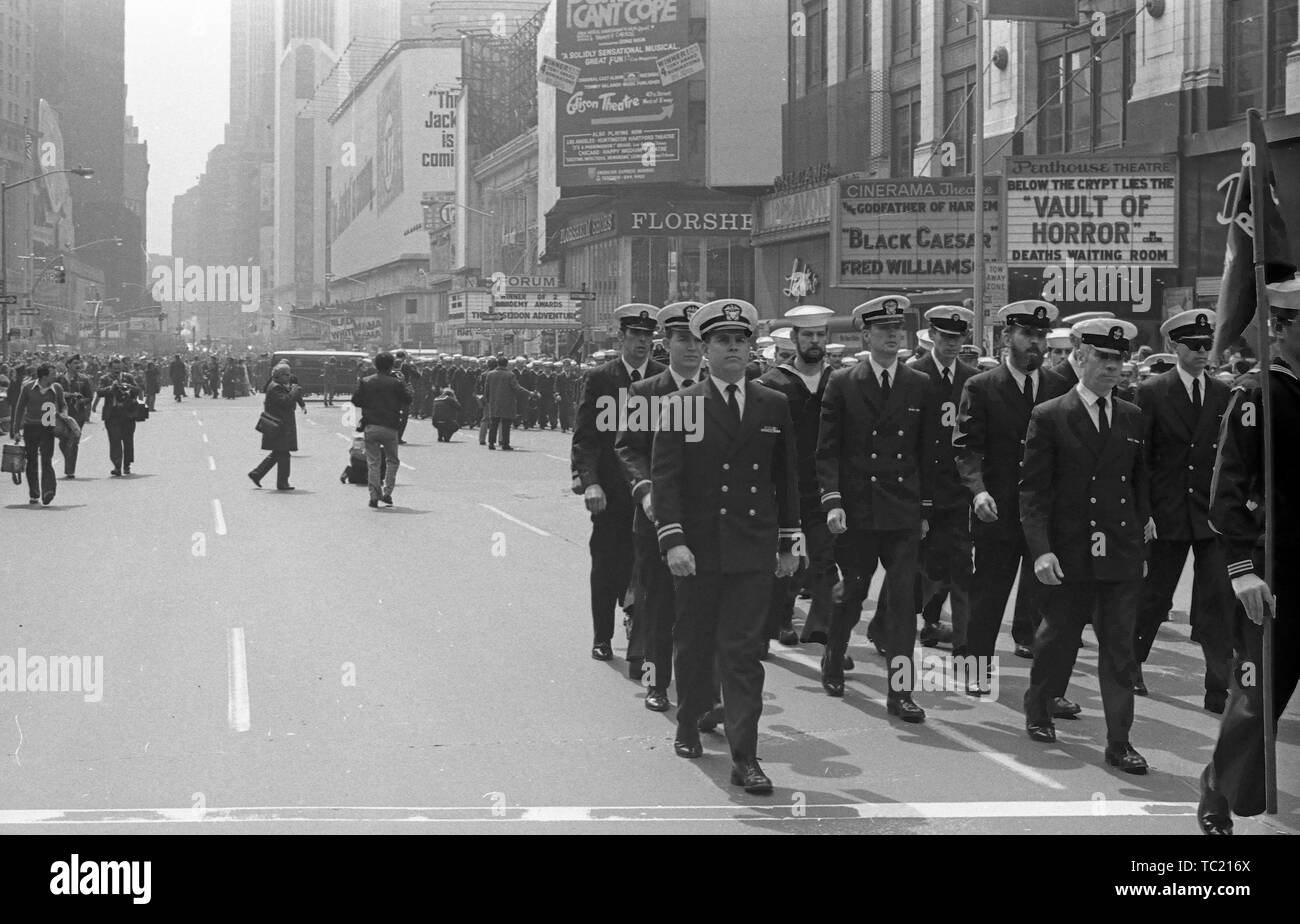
(1024,651)
(710,720)
(905,709)
(117,474)
(387,499)
(601,651)
(285,487)
(788,637)
(687,744)
(935,634)
(1062,708)
(1045,734)
(374,502)
(657,700)
(126,469)
(834,686)
(1125,758)
(1216,701)
(748,774)
(871,637)
(1139,683)
(847,661)
(1212,813)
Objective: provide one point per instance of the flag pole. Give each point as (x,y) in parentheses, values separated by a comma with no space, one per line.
(1258,189)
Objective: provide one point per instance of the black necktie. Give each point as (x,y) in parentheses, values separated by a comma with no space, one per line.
(1029,391)
(1196,395)
(733,403)
(947,377)
(884,384)
(636,375)
(687,383)
(1103,424)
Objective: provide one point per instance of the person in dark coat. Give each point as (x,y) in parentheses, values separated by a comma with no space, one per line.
(503,396)
(446,415)
(1084,504)
(1183,409)
(281,402)
(152,383)
(119,393)
(179,377)
(597,474)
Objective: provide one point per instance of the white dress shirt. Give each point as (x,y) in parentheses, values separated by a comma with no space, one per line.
(1020,380)
(1188,380)
(878,369)
(1090,405)
(631,369)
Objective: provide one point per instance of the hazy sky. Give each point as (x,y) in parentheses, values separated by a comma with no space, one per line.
(178,92)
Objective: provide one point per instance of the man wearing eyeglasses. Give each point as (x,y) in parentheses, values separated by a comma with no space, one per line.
(1183,408)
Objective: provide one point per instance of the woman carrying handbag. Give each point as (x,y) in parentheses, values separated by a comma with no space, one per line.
(279,429)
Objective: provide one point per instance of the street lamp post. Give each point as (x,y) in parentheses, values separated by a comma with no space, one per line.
(84,172)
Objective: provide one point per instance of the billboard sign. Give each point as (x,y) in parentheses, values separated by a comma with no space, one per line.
(620,124)
(1032,10)
(1096,210)
(915,232)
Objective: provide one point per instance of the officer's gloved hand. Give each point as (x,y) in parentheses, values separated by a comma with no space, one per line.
(680,561)
(1048,569)
(985,507)
(835,521)
(594,498)
(1254,596)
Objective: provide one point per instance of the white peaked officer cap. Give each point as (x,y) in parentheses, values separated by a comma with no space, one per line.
(952,319)
(923,337)
(637,316)
(1284,296)
(1159,362)
(725,314)
(1107,334)
(677,314)
(861,354)
(987,362)
(886,308)
(904,355)
(1074,319)
(1033,313)
(1197,324)
(809,316)
(835,349)
(1059,339)
(769,352)
(764,342)
(850,361)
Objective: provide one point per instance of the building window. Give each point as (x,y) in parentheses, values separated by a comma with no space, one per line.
(857,30)
(1085,89)
(815,63)
(958,19)
(906,128)
(958,97)
(907,29)
(1255,45)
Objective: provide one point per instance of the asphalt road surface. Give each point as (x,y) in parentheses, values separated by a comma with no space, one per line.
(302,663)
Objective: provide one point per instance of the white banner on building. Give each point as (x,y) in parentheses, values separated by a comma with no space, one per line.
(680,64)
(558,74)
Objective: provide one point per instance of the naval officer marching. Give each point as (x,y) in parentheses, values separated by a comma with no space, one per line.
(726,503)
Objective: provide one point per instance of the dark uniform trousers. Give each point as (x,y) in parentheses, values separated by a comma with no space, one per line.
(999,554)
(121,441)
(1211,599)
(821,575)
(611,560)
(723,615)
(858,551)
(1111,607)
(652,627)
(944,570)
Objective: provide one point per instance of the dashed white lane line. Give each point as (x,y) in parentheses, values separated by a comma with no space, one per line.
(219,517)
(199,422)
(483,814)
(342,437)
(212,464)
(502,513)
(237,713)
(205,437)
(556,458)
(946,730)
(404,465)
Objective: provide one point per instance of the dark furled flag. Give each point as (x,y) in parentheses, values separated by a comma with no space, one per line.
(1236,308)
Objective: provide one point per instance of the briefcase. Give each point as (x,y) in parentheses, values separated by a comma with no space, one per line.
(14,460)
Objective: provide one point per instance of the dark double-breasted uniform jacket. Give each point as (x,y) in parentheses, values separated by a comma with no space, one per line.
(634,448)
(874,457)
(1085,498)
(805,412)
(732,496)
(947,490)
(1180,448)
(992,420)
(592,456)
